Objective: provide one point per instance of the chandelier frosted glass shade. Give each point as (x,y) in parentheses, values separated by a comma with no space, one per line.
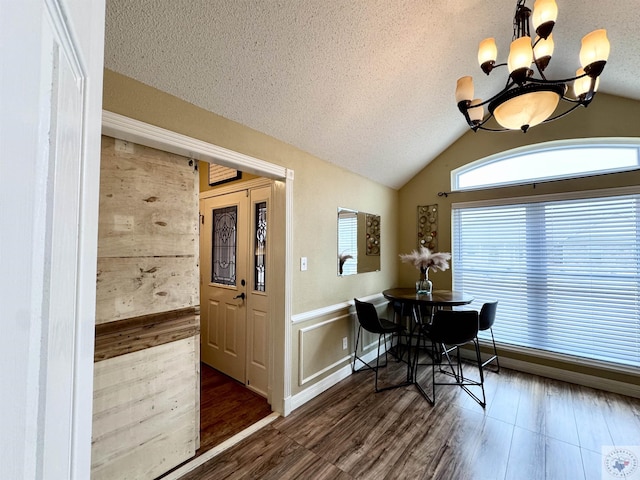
(595,48)
(528,100)
(545,13)
(525,107)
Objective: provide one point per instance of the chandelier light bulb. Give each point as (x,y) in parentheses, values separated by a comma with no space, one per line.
(520,54)
(487,54)
(581,86)
(464,89)
(545,13)
(544,47)
(476,113)
(595,48)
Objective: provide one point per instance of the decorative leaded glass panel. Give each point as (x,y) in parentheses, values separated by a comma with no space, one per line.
(224,245)
(261,246)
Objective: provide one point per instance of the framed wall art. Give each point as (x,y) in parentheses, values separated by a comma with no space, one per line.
(428,226)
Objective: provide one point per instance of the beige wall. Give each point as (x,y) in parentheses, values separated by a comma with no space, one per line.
(607,116)
(319,189)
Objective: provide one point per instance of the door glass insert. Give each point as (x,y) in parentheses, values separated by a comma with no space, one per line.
(260,246)
(224,245)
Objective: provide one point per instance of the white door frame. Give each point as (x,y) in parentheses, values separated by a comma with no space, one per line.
(45,45)
(125,128)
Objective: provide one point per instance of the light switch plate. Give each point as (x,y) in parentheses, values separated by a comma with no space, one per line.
(303,264)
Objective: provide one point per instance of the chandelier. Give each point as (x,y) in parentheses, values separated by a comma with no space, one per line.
(527,99)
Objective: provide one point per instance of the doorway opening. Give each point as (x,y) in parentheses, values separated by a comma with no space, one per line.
(235,293)
(279,371)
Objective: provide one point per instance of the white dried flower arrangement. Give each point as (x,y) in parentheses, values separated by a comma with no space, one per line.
(423,259)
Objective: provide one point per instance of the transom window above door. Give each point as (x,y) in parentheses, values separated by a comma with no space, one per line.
(551,161)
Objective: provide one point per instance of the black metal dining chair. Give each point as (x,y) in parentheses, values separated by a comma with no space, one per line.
(487,318)
(369,321)
(449,330)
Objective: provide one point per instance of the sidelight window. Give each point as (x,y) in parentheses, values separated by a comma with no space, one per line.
(260,256)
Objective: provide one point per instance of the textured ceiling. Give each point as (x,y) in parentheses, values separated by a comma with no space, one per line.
(365,84)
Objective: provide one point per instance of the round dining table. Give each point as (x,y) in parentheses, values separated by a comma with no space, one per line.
(437,298)
(417,303)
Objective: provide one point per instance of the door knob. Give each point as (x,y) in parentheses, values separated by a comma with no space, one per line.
(239,296)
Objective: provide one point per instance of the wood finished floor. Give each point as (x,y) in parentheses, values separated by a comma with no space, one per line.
(226,408)
(532,428)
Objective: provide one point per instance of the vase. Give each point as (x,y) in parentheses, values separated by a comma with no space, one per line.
(423,285)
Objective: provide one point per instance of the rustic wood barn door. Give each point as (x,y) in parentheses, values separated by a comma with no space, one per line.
(146,402)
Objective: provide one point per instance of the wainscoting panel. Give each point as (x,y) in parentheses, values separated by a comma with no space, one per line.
(320,347)
(320,340)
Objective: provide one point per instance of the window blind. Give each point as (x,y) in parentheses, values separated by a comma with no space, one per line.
(566,273)
(348,241)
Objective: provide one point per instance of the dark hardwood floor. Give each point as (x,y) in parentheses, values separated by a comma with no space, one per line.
(226,408)
(532,428)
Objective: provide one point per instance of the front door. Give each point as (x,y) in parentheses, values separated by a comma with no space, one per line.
(223,258)
(234,292)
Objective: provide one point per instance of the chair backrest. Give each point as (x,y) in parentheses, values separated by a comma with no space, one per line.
(368,316)
(454,327)
(488,315)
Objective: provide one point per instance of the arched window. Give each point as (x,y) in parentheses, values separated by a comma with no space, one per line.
(550,161)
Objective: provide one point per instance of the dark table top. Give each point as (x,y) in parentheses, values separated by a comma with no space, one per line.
(436,298)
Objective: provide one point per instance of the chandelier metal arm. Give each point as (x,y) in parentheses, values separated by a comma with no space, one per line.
(527,100)
(544,81)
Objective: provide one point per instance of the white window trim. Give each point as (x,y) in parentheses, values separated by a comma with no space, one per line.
(541,147)
(604,192)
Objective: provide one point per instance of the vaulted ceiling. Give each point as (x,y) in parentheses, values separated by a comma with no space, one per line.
(364,84)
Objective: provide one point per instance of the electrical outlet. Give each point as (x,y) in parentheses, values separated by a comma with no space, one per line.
(344,343)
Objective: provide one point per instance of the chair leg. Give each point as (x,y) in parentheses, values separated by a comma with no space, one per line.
(378,361)
(433,377)
(355,352)
(495,350)
(416,363)
(457,372)
(446,351)
(483,402)
(495,354)
(386,356)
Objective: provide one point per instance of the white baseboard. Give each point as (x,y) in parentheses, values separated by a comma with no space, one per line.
(568,376)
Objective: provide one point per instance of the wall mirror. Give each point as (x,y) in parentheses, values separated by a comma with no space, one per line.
(358,242)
